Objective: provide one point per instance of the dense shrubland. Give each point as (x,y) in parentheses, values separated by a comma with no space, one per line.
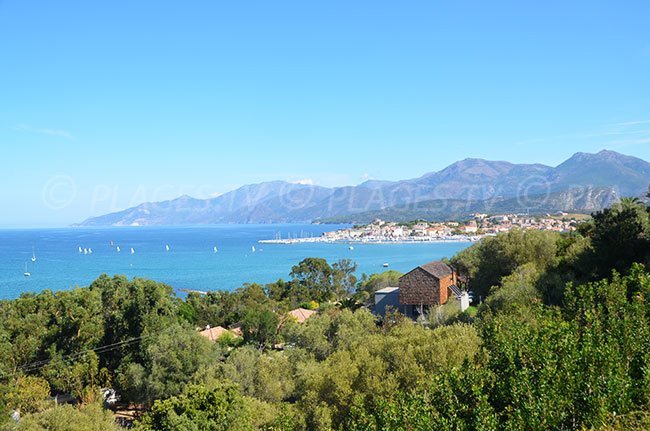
(561,341)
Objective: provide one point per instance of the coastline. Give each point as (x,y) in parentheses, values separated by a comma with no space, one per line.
(370,240)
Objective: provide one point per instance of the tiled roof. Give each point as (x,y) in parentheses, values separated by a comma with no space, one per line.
(213,334)
(437,268)
(301,314)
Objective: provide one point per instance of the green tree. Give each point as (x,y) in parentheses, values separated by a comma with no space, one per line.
(132,309)
(620,236)
(260,326)
(28,394)
(369,285)
(67,418)
(79,376)
(315,275)
(290,292)
(171,358)
(199,408)
(268,377)
(493,258)
(343,278)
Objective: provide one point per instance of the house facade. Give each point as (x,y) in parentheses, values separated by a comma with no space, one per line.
(422,288)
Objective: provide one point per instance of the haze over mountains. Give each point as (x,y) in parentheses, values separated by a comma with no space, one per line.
(583,183)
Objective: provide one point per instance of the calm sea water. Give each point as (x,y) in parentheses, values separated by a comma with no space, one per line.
(191,262)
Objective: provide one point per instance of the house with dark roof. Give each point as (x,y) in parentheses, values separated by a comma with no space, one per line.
(423,287)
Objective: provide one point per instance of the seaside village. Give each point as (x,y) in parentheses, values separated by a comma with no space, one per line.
(477,226)
(427,291)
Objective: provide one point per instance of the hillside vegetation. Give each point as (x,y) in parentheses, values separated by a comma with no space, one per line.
(561,340)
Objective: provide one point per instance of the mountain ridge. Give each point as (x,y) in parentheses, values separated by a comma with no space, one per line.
(469,180)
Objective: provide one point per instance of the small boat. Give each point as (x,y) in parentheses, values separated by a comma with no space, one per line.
(351,248)
(26,273)
(215,249)
(253,249)
(111,243)
(385,265)
(132,250)
(90,250)
(85,250)
(80,250)
(167,248)
(117,248)
(33,255)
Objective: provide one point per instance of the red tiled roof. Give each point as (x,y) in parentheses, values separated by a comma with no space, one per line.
(213,334)
(301,314)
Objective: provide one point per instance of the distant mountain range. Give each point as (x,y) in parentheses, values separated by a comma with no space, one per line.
(583,183)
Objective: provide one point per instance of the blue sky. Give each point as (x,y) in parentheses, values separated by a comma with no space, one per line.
(105,104)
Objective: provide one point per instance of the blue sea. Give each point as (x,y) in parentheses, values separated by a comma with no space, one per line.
(191,262)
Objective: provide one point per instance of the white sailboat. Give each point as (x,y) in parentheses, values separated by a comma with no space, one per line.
(85,250)
(90,250)
(33,255)
(26,273)
(132,250)
(117,248)
(167,247)
(215,249)
(253,249)
(351,248)
(80,250)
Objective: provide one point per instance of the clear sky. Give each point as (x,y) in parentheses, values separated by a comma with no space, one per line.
(105,104)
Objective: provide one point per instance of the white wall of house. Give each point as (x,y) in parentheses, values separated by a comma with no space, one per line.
(464,301)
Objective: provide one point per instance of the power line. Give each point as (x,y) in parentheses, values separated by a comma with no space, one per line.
(33,366)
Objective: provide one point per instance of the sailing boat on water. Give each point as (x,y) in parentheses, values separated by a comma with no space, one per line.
(33,255)
(132,250)
(80,250)
(167,247)
(85,250)
(26,273)
(253,249)
(117,248)
(90,250)
(215,249)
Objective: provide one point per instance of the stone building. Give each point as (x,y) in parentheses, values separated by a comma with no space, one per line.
(420,289)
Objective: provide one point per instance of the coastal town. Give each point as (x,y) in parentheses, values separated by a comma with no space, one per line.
(473,229)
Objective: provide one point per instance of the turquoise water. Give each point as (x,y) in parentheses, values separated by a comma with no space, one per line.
(191,262)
